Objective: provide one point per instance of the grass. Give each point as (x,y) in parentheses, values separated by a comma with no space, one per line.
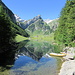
(43,37)
(49,38)
(20,38)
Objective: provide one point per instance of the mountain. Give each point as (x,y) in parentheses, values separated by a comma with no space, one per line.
(8,30)
(24,24)
(54,24)
(18,19)
(38,26)
(48,20)
(9,14)
(35,25)
(44,27)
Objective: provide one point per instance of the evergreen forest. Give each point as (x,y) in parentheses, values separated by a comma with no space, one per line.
(65,33)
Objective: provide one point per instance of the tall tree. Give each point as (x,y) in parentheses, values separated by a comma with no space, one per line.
(66,29)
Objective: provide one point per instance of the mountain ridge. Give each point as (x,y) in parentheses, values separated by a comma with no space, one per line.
(26,23)
(38,25)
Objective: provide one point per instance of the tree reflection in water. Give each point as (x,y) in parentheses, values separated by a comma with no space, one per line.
(7,55)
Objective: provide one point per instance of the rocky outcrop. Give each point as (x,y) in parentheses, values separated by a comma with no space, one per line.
(68,67)
(8,12)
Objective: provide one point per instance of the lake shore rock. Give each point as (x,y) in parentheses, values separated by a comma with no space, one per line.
(68,67)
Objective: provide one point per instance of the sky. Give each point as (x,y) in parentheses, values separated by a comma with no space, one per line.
(28,9)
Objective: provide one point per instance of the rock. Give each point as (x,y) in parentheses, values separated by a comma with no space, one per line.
(71,58)
(18,19)
(65,49)
(73,73)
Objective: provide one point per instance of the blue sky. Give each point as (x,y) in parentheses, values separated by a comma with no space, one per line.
(27,9)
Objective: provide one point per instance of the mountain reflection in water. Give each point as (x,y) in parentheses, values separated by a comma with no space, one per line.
(7,56)
(29,58)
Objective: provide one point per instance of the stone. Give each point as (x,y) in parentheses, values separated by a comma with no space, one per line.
(73,73)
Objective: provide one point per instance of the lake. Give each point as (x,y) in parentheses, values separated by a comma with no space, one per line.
(30,58)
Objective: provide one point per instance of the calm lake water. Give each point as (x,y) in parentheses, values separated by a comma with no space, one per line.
(30,58)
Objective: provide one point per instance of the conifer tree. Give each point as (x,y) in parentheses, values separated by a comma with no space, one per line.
(66,29)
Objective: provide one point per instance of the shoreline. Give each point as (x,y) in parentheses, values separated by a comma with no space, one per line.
(68,67)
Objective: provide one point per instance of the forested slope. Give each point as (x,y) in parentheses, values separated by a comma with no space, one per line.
(8,28)
(65,33)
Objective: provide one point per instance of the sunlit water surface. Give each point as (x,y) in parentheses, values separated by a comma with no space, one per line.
(31,58)
(27,66)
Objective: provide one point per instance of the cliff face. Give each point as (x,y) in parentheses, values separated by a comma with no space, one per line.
(8,12)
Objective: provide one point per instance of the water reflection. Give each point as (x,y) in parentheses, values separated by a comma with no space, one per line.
(29,58)
(35,50)
(7,56)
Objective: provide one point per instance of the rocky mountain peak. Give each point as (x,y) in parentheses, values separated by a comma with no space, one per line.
(18,19)
(24,24)
(33,20)
(37,17)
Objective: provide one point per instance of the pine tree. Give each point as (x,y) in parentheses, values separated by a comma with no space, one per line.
(66,29)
